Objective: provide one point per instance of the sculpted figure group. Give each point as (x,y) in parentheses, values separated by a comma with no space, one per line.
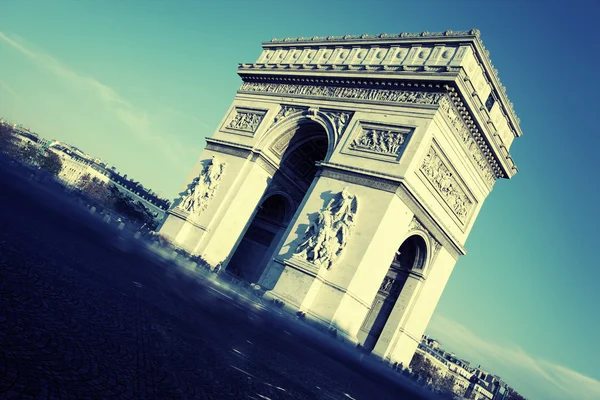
(202,189)
(440,176)
(327,235)
(380,141)
(245,121)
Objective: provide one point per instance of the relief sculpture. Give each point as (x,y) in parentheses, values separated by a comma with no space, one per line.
(202,189)
(380,141)
(327,235)
(445,182)
(285,112)
(245,121)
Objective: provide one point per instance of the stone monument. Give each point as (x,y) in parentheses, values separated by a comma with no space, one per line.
(347,174)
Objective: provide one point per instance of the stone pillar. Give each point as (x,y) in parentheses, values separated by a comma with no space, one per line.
(339,296)
(235,216)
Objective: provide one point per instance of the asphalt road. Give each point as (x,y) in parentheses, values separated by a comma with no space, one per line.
(86,315)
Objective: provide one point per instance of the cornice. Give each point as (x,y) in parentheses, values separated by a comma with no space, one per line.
(478,120)
(227,147)
(366,38)
(277,67)
(359,176)
(471,37)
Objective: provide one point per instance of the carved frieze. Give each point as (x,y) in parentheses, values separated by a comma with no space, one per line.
(202,189)
(327,235)
(358,93)
(244,121)
(445,182)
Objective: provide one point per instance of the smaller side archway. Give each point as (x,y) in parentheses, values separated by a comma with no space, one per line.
(410,259)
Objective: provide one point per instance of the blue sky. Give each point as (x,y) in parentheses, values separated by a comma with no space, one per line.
(142,83)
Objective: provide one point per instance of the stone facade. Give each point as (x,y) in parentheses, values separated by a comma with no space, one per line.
(355,169)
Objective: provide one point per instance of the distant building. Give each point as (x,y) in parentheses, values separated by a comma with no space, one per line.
(75,166)
(76,163)
(468,381)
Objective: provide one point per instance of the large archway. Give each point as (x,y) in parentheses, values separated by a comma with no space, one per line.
(297,169)
(410,258)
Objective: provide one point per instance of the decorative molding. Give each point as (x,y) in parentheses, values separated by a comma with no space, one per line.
(340,92)
(327,235)
(287,111)
(333,171)
(265,164)
(364,36)
(225,147)
(281,144)
(390,44)
(472,147)
(440,69)
(435,248)
(179,213)
(244,121)
(339,119)
(447,185)
(423,212)
(415,224)
(462,119)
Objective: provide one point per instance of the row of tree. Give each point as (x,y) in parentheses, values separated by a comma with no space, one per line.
(29,154)
(424,372)
(109,196)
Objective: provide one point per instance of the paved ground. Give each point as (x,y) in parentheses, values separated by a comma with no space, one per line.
(84,315)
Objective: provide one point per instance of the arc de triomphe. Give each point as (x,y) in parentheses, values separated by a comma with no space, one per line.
(346,177)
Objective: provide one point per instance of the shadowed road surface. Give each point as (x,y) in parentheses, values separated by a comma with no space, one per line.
(85,315)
